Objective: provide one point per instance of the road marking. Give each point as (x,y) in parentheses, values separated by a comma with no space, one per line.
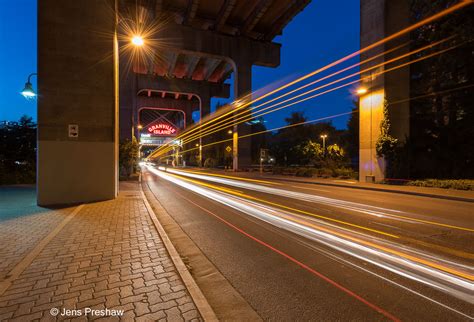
(384,213)
(315,189)
(230,177)
(30,257)
(294,260)
(355,239)
(282,206)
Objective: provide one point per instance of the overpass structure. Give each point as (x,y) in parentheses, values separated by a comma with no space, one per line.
(88,99)
(379,19)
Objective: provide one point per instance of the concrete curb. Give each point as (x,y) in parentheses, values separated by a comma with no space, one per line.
(195,292)
(420,194)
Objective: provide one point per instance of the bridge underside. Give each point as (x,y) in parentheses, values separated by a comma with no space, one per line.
(83,89)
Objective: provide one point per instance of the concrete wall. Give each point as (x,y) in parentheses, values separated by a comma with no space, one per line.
(77,84)
(381,18)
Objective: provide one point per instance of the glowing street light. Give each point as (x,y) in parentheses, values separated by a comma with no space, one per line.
(229,132)
(361,91)
(140,126)
(137,41)
(28,92)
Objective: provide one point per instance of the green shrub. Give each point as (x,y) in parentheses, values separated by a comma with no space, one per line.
(462,184)
(277,170)
(344,173)
(304,172)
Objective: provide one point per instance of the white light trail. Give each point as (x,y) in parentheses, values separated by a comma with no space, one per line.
(431,276)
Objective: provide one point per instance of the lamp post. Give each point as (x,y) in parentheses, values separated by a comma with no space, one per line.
(28,92)
(324,136)
(200,154)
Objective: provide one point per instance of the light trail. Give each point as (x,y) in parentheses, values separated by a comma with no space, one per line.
(293,209)
(408,29)
(436,247)
(158,152)
(244,115)
(297,262)
(348,205)
(274,129)
(364,247)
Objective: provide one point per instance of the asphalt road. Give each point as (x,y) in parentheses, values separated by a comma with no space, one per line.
(300,252)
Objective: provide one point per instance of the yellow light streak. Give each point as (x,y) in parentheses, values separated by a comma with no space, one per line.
(243,195)
(425,262)
(214,128)
(408,29)
(232,177)
(157,152)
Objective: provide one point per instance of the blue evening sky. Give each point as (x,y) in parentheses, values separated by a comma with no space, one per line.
(325,31)
(17,57)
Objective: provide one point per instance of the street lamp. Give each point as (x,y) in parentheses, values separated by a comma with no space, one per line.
(229,132)
(138,40)
(200,153)
(324,136)
(28,92)
(361,91)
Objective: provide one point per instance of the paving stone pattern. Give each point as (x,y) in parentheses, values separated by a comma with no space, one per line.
(108,256)
(18,236)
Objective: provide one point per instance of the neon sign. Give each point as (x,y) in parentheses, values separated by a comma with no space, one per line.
(161,129)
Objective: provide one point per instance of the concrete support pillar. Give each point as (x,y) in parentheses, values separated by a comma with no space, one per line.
(128,94)
(78,102)
(381,18)
(242,87)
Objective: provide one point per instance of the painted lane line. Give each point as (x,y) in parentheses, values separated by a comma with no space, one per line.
(294,260)
(353,247)
(363,208)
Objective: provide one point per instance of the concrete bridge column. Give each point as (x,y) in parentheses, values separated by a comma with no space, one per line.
(128,93)
(242,89)
(381,18)
(77,102)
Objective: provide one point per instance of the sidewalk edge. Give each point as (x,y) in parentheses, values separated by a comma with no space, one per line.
(421,194)
(195,292)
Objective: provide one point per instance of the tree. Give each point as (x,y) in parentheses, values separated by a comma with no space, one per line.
(312,151)
(128,156)
(386,144)
(18,152)
(350,138)
(441,116)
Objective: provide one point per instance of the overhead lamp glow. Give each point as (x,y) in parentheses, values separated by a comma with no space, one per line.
(361,91)
(137,41)
(28,92)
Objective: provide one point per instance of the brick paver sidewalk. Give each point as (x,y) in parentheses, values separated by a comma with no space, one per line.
(108,256)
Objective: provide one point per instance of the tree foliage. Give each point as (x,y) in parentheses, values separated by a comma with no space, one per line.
(128,157)
(386,144)
(18,152)
(442,116)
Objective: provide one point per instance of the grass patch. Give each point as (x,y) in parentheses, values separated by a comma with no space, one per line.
(461,184)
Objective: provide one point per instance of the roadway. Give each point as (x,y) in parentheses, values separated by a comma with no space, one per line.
(304,252)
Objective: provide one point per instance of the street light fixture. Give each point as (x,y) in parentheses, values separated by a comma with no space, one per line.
(28,92)
(361,91)
(324,136)
(138,40)
(229,132)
